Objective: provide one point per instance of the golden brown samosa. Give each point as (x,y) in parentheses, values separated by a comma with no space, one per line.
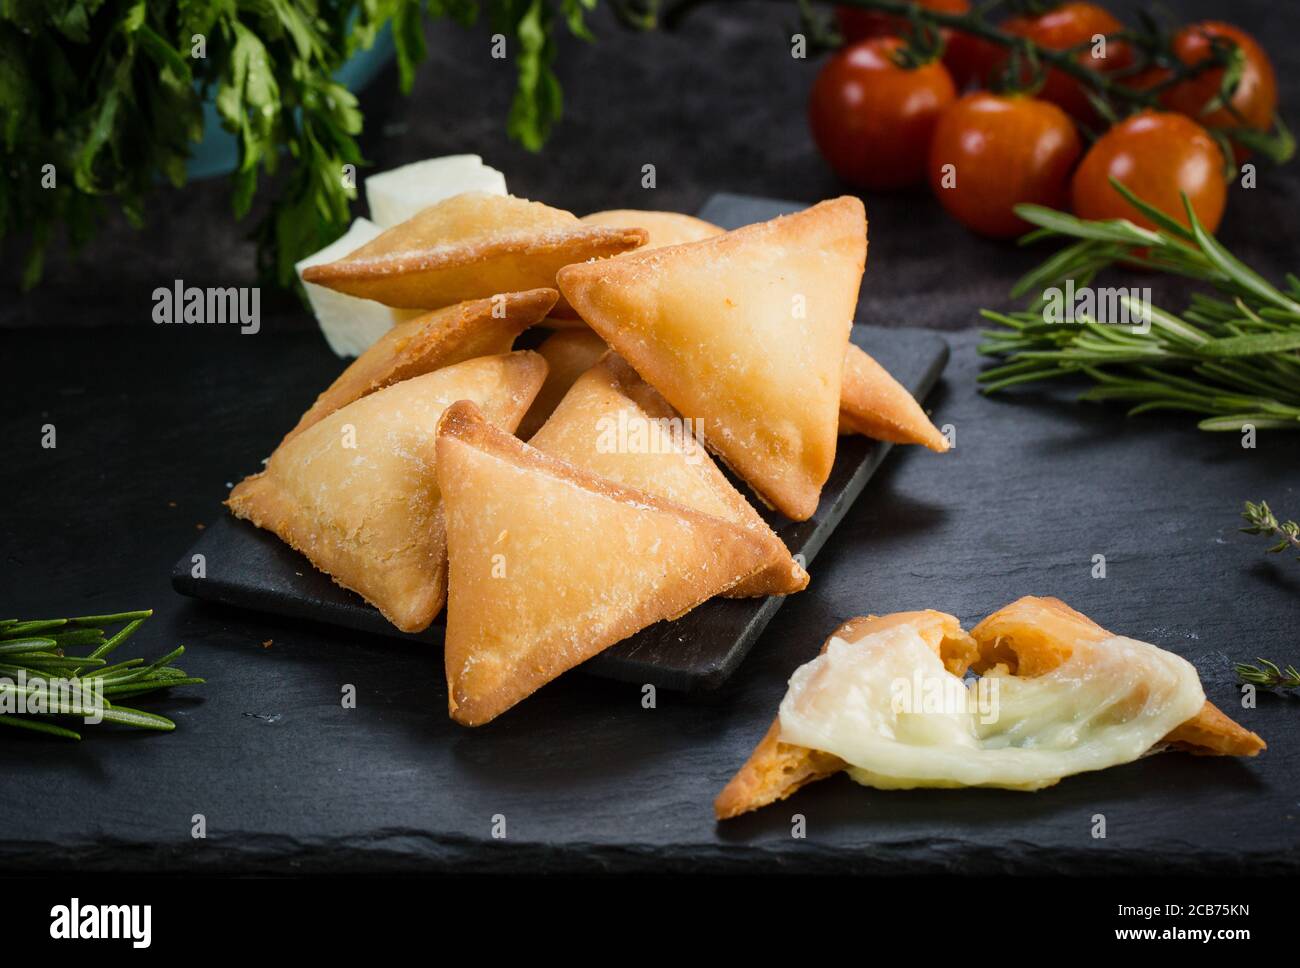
(745,331)
(550,564)
(478,327)
(874,404)
(662,228)
(357,493)
(568,354)
(470,246)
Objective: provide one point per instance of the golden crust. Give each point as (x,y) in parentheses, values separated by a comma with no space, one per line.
(477,327)
(874,404)
(470,246)
(568,354)
(1032,636)
(660,456)
(550,565)
(747,332)
(357,494)
(662,228)
(775,770)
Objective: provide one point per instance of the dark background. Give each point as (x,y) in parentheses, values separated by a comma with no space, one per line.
(155,423)
(716,106)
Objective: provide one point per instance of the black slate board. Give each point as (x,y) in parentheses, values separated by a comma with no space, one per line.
(154,422)
(250,568)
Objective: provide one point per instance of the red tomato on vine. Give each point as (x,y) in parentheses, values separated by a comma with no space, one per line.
(873,119)
(1254,100)
(966,56)
(993,152)
(1068,26)
(1159,155)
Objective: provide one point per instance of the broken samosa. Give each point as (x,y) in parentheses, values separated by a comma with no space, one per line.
(1074,697)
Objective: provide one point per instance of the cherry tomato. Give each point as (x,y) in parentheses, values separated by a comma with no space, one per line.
(1255,99)
(873,119)
(1066,26)
(1157,154)
(966,56)
(1003,150)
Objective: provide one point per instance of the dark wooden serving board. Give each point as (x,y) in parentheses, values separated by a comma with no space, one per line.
(155,423)
(251,568)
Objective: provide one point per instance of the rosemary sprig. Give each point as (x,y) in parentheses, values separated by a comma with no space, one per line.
(1261,520)
(1268,675)
(36,650)
(1233,358)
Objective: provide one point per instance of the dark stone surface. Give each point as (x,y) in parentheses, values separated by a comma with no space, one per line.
(586,778)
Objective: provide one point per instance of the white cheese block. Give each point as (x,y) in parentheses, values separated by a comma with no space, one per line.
(350,324)
(394,196)
(888,707)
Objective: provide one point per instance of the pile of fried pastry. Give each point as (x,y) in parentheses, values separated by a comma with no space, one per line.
(410,482)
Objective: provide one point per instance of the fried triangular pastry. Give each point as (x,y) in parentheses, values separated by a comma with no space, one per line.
(568,354)
(549,564)
(745,331)
(478,327)
(663,228)
(614,424)
(1030,637)
(357,494)
(468,247)
(874,404)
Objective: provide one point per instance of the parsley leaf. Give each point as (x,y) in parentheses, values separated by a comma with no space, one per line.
(103,99)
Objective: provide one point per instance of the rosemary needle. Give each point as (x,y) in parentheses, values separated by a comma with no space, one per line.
(1232,358)
(37,648)
(1268,674)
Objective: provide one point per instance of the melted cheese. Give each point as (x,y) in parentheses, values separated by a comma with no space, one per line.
(887,706)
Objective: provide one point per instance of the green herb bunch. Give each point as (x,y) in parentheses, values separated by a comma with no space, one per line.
(1233,357)
(102,100)
(38,650)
